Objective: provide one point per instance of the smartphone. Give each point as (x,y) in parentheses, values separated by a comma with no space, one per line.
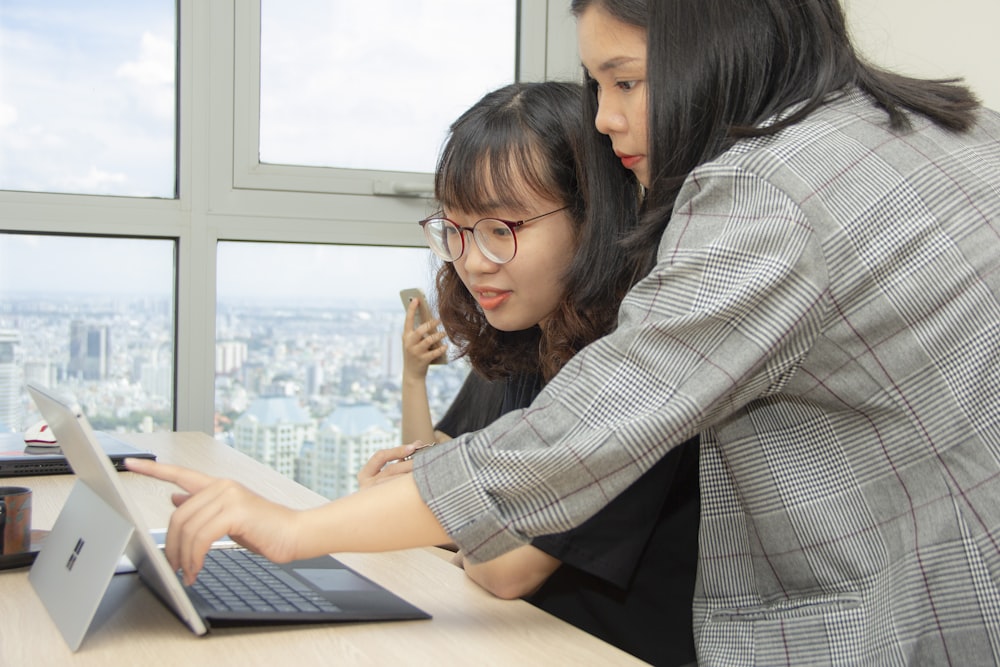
(423,313)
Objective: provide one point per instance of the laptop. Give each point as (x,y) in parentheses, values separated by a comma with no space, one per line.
(100,522)
(18,459)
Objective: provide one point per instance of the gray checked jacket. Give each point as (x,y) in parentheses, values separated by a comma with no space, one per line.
(826,312)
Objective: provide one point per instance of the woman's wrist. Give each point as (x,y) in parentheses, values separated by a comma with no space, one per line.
(414,379)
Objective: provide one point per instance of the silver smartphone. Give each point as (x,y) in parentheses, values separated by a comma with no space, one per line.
(423,313)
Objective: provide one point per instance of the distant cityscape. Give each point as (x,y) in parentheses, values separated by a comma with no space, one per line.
(310,391)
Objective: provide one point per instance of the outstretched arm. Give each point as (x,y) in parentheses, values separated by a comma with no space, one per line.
(385,517)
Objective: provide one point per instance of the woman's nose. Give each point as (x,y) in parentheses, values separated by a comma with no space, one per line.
(609,119)
(473,259)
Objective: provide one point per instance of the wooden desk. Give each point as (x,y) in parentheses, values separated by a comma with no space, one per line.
(133,628)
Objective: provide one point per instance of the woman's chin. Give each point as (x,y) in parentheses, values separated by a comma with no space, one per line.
(507,324)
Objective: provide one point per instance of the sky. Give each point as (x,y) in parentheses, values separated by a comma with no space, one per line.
(85,265)
(86,96)
(374,84)
(261,271)
(321,272)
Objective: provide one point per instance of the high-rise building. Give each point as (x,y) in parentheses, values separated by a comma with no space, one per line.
(230,355)
(272,431)
(314,379)
(40,371)
(393,365)
(345,441)
(10,381)
(157,380)
(155,376)
(89,351)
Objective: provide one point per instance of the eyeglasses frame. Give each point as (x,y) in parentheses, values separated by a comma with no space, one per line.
(511,225)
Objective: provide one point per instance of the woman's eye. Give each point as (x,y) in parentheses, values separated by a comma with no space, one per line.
(502,232)
(591,82)
(627,85)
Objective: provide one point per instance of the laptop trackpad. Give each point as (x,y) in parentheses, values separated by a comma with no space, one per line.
(335,580)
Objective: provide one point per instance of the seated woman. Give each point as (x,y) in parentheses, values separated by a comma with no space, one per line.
(531,276)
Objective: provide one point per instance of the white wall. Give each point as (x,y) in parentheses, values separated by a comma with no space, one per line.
(932,38)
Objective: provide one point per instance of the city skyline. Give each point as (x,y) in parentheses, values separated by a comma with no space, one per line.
(115,358)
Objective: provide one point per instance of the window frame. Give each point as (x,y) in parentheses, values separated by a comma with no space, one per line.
(225,194)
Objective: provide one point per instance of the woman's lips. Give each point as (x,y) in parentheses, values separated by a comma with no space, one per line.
(629,161)
(490,299)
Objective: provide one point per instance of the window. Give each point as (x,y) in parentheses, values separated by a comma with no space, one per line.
(208,202)
(316,322)
(309,357)
(87,102)
(374,85)
(92,318)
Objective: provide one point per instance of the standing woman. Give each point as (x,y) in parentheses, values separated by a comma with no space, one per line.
(823,307)
(825,304)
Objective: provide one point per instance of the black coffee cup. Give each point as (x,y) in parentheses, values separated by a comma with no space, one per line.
(15,520)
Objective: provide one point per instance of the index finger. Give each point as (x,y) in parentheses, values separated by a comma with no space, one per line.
(191,481)
(411,311)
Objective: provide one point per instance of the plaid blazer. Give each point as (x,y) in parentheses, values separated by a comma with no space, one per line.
(826,311)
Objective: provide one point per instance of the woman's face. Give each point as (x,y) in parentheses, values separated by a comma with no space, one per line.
(527,289)
(614,55)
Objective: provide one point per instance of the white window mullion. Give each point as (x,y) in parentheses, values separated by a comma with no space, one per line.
(205,167)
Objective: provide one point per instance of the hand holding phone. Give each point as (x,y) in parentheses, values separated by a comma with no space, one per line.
(422,315)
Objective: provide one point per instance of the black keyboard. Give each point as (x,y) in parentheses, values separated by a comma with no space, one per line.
(238,580)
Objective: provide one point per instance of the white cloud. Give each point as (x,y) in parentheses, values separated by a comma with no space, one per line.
(96,180)
(150,78)
(92,86)
(155,66)
(8,114)
(333,94)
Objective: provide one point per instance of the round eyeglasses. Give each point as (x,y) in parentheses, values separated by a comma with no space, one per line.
(494,237)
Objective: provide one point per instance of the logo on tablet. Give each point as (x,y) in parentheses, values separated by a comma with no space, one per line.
(76,553)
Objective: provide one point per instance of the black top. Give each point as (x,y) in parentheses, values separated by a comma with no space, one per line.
(628,572)
(477,404)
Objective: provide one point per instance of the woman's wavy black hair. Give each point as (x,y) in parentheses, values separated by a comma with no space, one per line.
(523,139)
(716,70)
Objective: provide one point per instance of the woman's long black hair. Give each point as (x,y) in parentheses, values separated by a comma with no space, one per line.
(717,70)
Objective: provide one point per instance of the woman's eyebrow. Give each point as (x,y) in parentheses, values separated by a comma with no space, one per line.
(611,65)
(615,63)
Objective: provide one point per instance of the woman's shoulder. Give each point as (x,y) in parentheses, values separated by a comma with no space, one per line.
(848,141)
(825,125)
(847,126)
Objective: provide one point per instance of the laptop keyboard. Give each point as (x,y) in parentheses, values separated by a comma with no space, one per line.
(242,581)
